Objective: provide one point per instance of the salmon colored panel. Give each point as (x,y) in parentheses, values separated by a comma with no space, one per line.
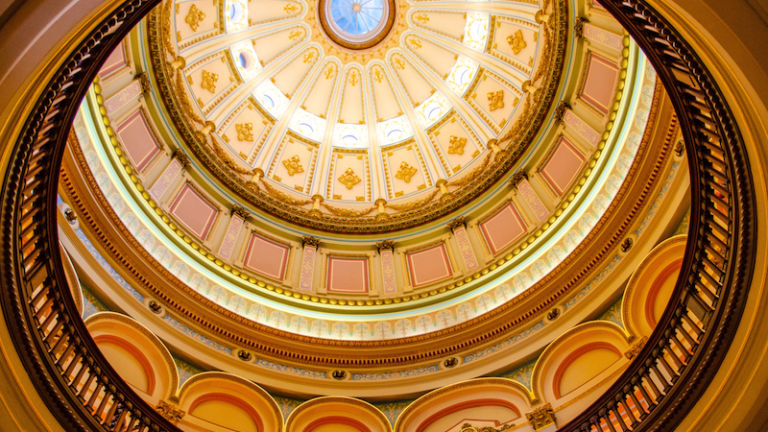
(563,166)
(267,257)
(138,140)
(128,362)
(194,211)
(600,85)
(225,414)
(503,228)
(429,265)
(582,365)
(479,411)
(115,61)
(661,291)
(347,275)
(336,424)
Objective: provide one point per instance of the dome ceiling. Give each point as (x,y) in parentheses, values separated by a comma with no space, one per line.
(527,246)
(354,115)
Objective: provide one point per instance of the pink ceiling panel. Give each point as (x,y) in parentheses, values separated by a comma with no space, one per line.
(347,275)
(138,140)
(267,257)
(194,211)
(115,61)
(429,265)
(563,166)
(503,228)
(600,84)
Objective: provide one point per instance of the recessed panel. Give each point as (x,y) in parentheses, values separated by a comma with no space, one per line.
(139,142)
(347,275)
(563,166)
(266,257)
(429,265)
(600,84)
(503,228)
(194,211)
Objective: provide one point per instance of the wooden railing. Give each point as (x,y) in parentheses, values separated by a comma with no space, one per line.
(682,355)
(84,392)
(72,376)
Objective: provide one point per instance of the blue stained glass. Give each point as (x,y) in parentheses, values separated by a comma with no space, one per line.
(357,17)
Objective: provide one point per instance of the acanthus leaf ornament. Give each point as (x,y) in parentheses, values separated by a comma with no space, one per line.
(293,165)
(517,42)
(406,172)
(496,100)
(456,145)
(244,131)
(194,17)
(349,179)
(209,80)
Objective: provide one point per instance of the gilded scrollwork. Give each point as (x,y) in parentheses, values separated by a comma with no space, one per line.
(293,165)
(349,179)
(517,42)
(194,17)
(405,172)
(495,100)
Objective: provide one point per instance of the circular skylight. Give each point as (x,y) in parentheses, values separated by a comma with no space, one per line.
(356,24)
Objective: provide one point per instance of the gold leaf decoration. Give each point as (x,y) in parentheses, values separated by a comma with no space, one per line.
(421,18)
(516,41)
(209,81)
(291,8)
(244,131)
(496,100)
(456,145)
(293,165)
(349,179)
(296,34)
(330,72)
(194,17)
(378,76)
(405,172)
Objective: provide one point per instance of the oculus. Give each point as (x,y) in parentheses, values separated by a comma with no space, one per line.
(356,24)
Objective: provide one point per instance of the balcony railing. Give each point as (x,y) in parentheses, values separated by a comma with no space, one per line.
(657,389)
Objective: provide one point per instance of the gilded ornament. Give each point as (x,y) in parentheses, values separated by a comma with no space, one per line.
(541,417)
(194,17)
(578,26)
(291,8)
(399,62)
(209,81)
(378,76)
(496,100)
(353,78)
(330,72)
(169,411)
(421,18)
(456,145)
(296,34)
(309,56)
(636,347)
(406,172)
(414,42)
(244,131)
(293,165)
(349,179)
(516,41)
